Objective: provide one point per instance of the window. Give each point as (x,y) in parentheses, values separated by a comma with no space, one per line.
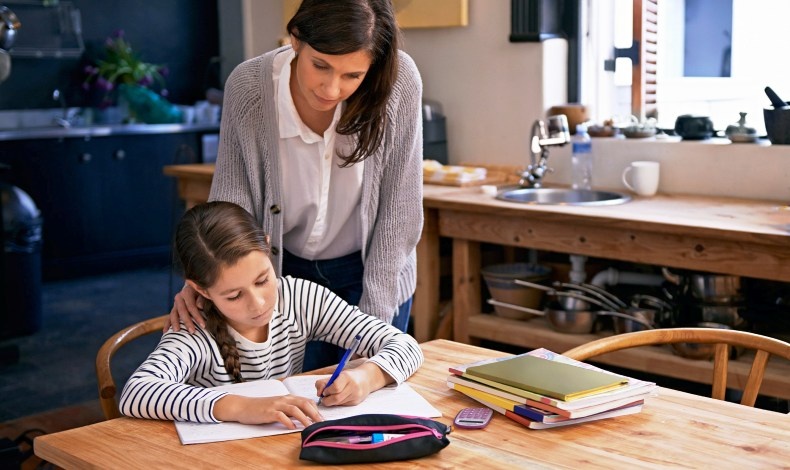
(711,57)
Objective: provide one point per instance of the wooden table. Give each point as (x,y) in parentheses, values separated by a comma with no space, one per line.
(673,429)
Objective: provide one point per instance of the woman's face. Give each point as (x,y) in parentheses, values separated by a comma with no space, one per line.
(246,294)
(324,80)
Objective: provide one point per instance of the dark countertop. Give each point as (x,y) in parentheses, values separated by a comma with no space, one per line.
(102,130)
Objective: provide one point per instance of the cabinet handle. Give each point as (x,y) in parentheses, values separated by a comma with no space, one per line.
(119,154)
(85,157)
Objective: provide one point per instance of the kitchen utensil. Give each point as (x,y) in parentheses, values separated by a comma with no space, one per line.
(740,133)
(777,125)
(500,280)
(9,24)
(725,314)
(559,318)
(601,298)
(570,321)
(664,310)
(777,102)
(637,319)
(714,288)
(692,127)
(532,311)
(611,302)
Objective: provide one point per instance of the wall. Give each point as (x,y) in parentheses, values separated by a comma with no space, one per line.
(248,28)
(183,34)
(491,90)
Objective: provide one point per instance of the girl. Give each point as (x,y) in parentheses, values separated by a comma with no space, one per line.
(322,142)
(257,326)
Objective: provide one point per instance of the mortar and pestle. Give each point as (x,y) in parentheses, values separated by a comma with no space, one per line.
(777,119)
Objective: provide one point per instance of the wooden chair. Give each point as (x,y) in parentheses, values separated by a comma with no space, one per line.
(107,389)
(723,339)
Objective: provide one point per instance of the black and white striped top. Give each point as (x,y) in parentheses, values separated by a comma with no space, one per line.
(172,383)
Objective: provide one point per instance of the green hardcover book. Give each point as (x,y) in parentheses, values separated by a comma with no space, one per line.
(550,378)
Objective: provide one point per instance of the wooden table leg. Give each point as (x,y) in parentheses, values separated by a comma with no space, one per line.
(466,288)
(425,309)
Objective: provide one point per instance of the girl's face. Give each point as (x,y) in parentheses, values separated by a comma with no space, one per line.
(324,80)
(246,294)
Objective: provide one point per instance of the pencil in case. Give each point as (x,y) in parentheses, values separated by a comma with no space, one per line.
(372,438)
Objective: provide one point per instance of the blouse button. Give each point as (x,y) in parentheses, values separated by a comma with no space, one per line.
(275,209)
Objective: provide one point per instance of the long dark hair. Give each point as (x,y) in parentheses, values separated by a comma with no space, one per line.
(344,26)
(208,237)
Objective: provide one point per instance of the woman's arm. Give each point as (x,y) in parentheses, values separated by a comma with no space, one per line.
(398,225)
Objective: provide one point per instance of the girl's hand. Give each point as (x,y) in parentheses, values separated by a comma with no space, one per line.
(250,410)
(352,386)
(187,307)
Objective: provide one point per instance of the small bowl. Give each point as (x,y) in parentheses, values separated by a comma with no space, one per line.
(499,280)
(602,131)
(637,132)
(570,321)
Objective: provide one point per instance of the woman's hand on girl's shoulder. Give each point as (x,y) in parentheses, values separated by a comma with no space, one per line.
(187,308)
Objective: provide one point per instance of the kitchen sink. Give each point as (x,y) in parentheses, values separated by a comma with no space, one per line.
(564,196)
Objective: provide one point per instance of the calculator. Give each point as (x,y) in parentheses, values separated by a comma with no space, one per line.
(473,418)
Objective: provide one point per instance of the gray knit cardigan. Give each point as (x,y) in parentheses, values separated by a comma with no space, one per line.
(248,173)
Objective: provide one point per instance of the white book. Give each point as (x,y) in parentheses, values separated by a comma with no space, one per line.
(398,400)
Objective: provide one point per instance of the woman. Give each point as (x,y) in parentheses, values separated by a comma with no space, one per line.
(322,142)
(257,328)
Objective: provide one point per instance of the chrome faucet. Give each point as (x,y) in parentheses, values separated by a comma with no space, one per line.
(540,141)
(65,120)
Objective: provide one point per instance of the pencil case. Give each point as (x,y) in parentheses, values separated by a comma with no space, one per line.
(372,438)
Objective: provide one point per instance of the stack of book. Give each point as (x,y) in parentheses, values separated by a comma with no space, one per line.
(541,389)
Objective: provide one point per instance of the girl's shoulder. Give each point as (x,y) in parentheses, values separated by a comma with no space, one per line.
(183,337)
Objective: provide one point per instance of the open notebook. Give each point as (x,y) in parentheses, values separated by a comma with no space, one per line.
(400,400)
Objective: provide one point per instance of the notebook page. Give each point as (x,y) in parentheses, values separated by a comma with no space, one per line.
(396,400)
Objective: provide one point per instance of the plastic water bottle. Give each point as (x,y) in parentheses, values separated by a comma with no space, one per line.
(581,159)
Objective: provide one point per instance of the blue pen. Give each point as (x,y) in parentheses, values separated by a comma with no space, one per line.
(342,364)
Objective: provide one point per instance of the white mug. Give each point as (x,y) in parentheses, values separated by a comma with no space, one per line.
(644,177)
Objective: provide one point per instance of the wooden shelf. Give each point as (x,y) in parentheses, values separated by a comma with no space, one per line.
(535,333)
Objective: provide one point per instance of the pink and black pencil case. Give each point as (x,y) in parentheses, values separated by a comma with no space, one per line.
(372,438)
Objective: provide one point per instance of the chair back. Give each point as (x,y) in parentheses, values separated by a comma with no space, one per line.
(107,389)
(763,346)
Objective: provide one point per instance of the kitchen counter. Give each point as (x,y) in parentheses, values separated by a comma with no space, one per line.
(100,130)
(731,236)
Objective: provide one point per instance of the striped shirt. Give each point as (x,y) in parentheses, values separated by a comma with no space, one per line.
(173,382)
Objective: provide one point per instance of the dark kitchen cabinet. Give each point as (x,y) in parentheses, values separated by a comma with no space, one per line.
(105,202)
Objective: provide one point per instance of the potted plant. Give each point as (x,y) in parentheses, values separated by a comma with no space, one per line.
(122,75)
